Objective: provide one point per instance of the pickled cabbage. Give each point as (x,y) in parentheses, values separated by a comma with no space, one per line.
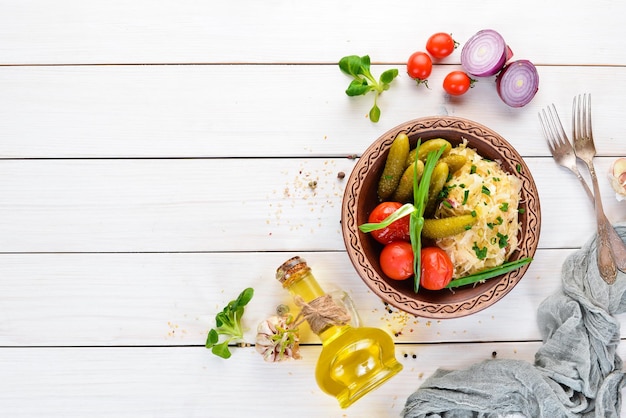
(481,187)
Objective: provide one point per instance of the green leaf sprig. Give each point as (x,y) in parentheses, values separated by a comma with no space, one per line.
(363,81)
(228,323)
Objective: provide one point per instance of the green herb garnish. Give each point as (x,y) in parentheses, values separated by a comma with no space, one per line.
(465,196)
(420,198)
(503,240)
(363,81)
(481,253)
(489,273)
(228,323)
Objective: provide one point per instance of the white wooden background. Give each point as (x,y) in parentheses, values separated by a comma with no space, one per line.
(155,157)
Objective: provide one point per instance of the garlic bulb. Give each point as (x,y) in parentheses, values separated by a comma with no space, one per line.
(277,340)
(617,176)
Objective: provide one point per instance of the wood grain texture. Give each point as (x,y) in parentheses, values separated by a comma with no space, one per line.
(203,110)
(170,205)
(172,299)
(158,156)
(240,31)
(191,382)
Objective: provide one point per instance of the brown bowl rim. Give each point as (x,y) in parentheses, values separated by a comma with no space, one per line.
(471,299)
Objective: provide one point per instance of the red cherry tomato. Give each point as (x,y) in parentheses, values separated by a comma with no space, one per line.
(436,270)
(419,66)
(457,83)
(396,260)
(397,231)
(440,45)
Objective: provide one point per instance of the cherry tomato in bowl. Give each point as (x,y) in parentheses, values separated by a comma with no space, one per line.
(440,45)
(457,83)
(396,231)
(436,270)
(419,66)
(396,260)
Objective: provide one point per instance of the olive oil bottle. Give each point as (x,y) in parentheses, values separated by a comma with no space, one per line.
(354,360)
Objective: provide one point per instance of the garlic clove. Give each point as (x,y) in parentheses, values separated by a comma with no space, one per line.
(617,177)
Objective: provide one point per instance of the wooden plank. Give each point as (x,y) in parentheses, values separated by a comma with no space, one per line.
(223,205)
(172,299)
(180,111)
(168,31)
(190,381)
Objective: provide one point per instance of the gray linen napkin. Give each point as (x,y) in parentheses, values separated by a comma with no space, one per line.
(576,373)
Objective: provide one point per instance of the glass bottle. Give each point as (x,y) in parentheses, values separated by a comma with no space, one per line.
(354,360)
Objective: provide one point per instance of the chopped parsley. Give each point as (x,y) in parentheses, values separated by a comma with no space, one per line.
(485,190)
(504,207)
(503,240)
(481,253)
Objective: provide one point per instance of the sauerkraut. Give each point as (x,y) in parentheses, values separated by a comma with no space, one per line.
(481,187)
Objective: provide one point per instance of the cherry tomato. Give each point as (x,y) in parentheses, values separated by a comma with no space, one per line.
(440,45)
(397,231)
(419,66)
(436,270)
(396,260)
(457,83)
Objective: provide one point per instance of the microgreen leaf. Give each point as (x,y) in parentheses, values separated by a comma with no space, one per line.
(387,76)
(363,82)
(375,113)
(228,323)
(489,273)
(351,65)
(221,350)
(358,88)
(212,339)
(401,212)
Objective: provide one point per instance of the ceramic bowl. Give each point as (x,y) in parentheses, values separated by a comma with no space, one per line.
(360,198)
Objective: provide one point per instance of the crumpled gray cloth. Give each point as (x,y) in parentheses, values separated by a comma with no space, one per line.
(576,372)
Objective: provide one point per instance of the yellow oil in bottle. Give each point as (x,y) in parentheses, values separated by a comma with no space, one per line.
(354,360)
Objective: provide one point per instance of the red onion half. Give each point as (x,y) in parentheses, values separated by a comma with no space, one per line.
(485,53)
(518,83)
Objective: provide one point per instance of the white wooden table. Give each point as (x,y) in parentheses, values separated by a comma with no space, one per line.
(155,157)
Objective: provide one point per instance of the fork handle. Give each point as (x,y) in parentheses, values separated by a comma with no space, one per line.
(618,247)
(606,264)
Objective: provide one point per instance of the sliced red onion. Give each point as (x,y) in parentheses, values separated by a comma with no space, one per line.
(485,53)
(518,83)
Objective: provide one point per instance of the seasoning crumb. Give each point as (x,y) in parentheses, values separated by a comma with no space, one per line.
(313,184)
(494,354)
(341,175)
(414,355)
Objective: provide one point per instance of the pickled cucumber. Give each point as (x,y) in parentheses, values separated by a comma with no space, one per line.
(394,167)
(446,227)
(404,191)
(455,162)
(433,145)
(438,179)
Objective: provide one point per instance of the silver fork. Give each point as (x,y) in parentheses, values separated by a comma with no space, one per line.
(564,155)
(586,150)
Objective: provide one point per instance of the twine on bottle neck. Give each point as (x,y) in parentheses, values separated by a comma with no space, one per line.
(321,312)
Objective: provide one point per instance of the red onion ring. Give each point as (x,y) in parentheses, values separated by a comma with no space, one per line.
(518,83)
(485,53)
